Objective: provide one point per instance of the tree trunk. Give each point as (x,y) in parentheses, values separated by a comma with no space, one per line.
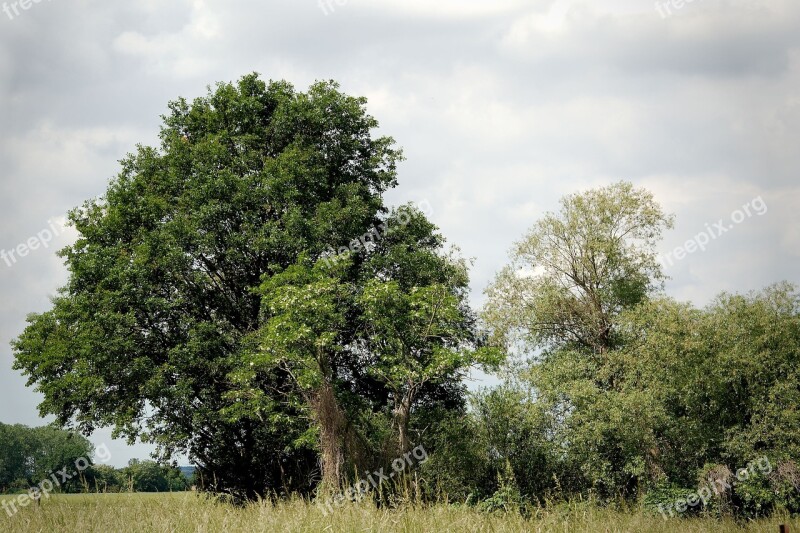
(329,417)
(402,416)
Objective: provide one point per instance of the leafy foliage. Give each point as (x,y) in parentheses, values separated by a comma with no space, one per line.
(637,392)
(575,271)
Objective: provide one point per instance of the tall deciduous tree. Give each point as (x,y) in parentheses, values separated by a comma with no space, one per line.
(163,276)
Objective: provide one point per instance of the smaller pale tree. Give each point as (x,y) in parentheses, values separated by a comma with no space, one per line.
(418,336)
(561,300)
(302,337)
(391,323)
(576,270)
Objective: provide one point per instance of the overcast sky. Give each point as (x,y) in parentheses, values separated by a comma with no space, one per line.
(501,106)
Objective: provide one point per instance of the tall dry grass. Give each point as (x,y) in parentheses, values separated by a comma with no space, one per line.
(188,512)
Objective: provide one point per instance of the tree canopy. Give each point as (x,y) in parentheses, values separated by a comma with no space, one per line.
(202,312)
(576,270)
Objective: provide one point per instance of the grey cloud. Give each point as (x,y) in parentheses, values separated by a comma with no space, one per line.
(500,113)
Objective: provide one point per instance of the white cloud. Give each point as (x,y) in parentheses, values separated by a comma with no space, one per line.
(180,54)
(440,8)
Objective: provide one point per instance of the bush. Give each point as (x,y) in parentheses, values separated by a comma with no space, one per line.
(507,497)
(458,468)
(758,494)
(668,500)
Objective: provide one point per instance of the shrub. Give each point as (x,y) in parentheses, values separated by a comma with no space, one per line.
(667,500)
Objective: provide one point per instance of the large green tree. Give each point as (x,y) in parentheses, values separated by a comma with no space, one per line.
(163,276)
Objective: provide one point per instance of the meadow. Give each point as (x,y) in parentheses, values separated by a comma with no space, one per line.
(189,512)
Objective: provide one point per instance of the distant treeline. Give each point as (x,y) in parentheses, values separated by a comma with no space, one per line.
(29,456)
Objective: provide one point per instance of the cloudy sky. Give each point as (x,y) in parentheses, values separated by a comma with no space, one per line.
(502,107)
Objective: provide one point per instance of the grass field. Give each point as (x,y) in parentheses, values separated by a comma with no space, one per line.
(187,512)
